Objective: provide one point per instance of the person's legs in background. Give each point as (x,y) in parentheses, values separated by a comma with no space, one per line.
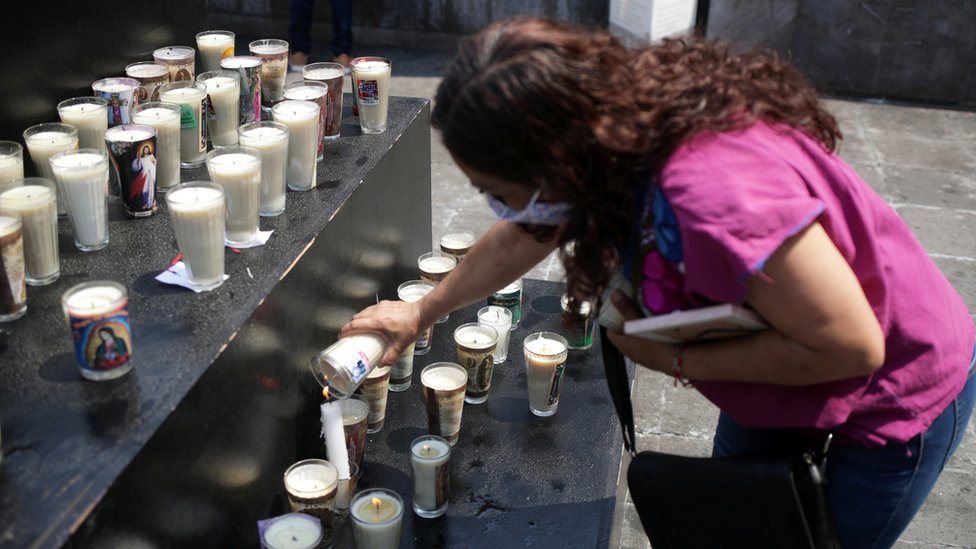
(873,493)
(341,31)
(300,32)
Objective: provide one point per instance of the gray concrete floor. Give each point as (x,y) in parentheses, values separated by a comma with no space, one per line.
(922,161)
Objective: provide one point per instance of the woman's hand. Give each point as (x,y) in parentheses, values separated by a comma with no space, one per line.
(398,321)
(647,353)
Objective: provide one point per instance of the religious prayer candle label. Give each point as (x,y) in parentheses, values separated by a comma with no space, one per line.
(557,376)
(135,163)
(249,70)
(510,297)
(188,120)
(475,353)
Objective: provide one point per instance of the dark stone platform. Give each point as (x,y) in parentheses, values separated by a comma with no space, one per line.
(193,440)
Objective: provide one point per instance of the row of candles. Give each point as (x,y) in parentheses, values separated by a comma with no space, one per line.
(357,392)
(144,127)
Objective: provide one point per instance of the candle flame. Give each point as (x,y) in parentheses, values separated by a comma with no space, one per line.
(376,504)
(426,448)
(325,392)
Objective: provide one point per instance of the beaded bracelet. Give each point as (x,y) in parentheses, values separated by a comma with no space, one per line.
(677,370)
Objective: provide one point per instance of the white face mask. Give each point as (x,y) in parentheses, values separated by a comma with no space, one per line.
(534,213)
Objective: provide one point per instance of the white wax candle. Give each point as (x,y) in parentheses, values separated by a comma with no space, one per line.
(240,176)
(36,206)
(82,179)
(167,124)
(457,244)
(95,301)
(198,222)
(476,337)
(322,74)
(127,134)
(347,362)
(302,119)
(293,531)
(319,95)
(435,267)
(273,144)
(335,437)
(12,265)
(11,167)
(214,46)
(427,456)
(500,319)
(542,356)
(146,70)
(91,119)
(42,146)
(193,144)
(225,97)
(371,80)
(377,518)
(310,484)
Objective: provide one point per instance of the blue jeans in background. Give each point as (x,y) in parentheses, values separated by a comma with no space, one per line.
(873,493)
(300,26)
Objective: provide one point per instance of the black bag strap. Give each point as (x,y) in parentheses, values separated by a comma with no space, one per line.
(617,381)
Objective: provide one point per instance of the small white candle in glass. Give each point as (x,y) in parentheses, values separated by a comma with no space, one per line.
(434,267)
(44,141)
(302,119)
(457,243)
(412,291)
(271,138)
(500,319)
(371,84)
(35,202)
(312,485)
(330,74)
(213,46)
(475,348)
(318,93)
(192,98)
(150,75)
(179,60)
(292,531)
(224,91)
(165,117)
(13,293)
(82,178)
(98,315)
(90,116)
(274,67)
(238,171)
(11,162)
(196,210)
(545,362)
(430,457)
(377,515)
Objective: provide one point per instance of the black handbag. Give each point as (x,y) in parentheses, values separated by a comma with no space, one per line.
(755,501)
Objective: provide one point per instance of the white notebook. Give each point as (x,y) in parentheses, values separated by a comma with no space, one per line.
(716,322)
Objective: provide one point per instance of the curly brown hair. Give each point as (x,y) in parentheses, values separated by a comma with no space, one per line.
(552,105)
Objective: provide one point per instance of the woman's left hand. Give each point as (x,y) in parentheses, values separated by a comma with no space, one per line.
(647,353)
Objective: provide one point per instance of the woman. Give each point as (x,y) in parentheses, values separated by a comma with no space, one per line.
(708,177)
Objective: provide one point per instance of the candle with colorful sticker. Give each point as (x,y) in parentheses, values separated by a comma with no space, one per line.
(151,75)
(13,288)
(133,150)
(248,69)
(98,315)
(179,60)
(224,95)
(120,94)
(377,516)
(192,98)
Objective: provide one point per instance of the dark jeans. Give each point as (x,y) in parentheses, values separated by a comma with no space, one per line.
(300,26)
(873,492)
